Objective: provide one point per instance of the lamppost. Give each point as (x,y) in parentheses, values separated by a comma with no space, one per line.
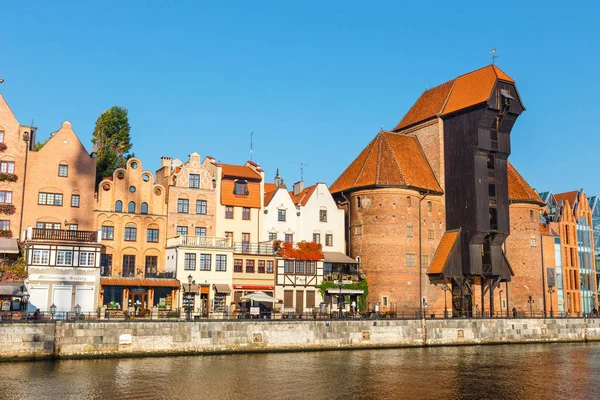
(340,296)
(25,302)
(52,310)
(550,292)
(531,301)
(445,288)
(77,311)
(500,301)
(188,307)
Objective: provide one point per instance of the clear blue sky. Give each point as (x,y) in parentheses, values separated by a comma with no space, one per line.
(313,80)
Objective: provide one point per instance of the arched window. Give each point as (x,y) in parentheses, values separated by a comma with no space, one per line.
(144,208)
(131,207)
(119,206)
(241,187)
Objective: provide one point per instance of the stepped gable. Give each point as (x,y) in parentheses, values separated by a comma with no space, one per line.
(390,160)
(519,189)
(457,94)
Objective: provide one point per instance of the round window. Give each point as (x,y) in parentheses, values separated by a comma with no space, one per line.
(120,175)
(134,165)
(132,189)
(157,191)
(106,186)
(146,177)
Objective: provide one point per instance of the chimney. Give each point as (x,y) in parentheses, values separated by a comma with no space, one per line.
(277,179)
(165,162)
(298,186)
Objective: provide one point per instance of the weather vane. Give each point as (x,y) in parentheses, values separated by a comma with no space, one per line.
(494,56)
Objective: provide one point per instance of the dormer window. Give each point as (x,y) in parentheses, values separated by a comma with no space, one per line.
(241,187)
(506,98)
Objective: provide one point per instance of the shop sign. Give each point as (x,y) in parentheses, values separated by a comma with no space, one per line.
(255,310)
(6,305)
(138,290)
(59,277)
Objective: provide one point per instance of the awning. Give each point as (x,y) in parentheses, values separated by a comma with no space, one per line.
(11,290)
(174,283)
(254,287)
(222,288)
(446,262)
(338,258)
(344,291)
(260,297)
(9,246)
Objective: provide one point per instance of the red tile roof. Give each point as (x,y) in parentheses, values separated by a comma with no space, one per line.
(457,94)
(519,189)
(270,190)
(239,171)
(443,251)
(571,197)
(304,195)
(391,159)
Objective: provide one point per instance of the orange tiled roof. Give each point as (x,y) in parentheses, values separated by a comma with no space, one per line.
(303,197)
(239,171)
(391,159)
(442,252)
(463,92)
(571,197)
(270,190)
(519,189)
(228,198)
(139,282)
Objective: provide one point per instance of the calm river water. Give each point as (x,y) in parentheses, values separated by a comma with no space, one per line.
(545,371)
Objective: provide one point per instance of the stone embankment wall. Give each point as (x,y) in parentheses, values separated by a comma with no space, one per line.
(122,339)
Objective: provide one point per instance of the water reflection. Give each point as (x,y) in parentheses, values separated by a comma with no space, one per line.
(567,371)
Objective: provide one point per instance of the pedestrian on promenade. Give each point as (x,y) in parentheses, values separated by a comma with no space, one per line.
(514,310)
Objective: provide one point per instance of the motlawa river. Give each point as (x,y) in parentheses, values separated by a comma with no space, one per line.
(539,371)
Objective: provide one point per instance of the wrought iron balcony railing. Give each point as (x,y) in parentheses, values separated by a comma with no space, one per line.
(200,241)
(265,249)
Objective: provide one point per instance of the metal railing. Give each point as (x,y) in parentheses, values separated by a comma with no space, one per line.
(265,249)
(200,241)
(64,235)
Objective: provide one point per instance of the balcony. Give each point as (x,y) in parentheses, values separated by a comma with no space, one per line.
(200,241)
(63,235)
(264,248)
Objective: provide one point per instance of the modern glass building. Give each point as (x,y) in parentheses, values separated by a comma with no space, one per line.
(587,268)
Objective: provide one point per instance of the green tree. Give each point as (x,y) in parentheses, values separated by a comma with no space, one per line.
(111,141)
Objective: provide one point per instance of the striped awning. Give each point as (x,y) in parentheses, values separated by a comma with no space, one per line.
(222,288)
(140,282)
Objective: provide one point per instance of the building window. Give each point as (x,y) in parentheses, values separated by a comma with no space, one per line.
(328,239)
(272,236)
(261,266)
(532,242)
(317,238)
(50,199)
(1,136)
(289,237)
(128,266)
(491,161)
(238,265)
(183,206)
(152,235)
(189,262)
(311,267)
(151,265)
(205,262)
(409,231)
(63,170)
(429,207)
(410,260)
(130,234)
(7,167)
(246,213)
(105,264)
(4,224)
(384,301)
(322,215)
(492,190)
(201,207)
(241,187)
(358,230)
(73,227)
(228,212)
(201,231)
(269,266)
(41,257)
(108,232)
(118,206)
(493,218)
(221,262)
(144,209)
(131,207)
(430,234)
(281,215)
(5,197)
(64,257)
(408,201)
(74,200)
(288,267)
(299,267)
(194,180)
(47,225)
(424,261)
(358,202)
(86,259)
(182,230)
(250,266)
(229,235)
(531,215)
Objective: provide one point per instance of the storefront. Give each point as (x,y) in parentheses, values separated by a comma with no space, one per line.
(11,296)
(121,293)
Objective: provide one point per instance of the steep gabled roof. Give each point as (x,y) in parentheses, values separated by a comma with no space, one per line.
(304,195)
(571,197)
(239,171)
(519,189)
(465,91)
(390,159)
(270,190)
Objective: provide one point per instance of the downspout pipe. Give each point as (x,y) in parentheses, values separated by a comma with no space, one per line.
(425,194)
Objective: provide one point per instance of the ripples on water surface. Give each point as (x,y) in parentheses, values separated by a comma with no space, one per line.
(545,371)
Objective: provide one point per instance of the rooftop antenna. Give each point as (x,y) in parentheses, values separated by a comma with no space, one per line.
(251,134)
(494,56)
(1,80)
(302,165)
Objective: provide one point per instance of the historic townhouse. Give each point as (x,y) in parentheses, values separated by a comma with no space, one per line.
(16,141)
(131,211)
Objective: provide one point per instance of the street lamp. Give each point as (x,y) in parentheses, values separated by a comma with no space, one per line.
(531,301)
(550,291)
(25,302)
(52,310)
(340,297)
(500,301)
(77,310)
(445,288)
(188,308)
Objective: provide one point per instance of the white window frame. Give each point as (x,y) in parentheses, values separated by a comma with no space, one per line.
(64,257)
(86,258)
(40,257)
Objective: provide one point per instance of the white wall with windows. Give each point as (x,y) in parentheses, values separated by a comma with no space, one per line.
(279,218)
